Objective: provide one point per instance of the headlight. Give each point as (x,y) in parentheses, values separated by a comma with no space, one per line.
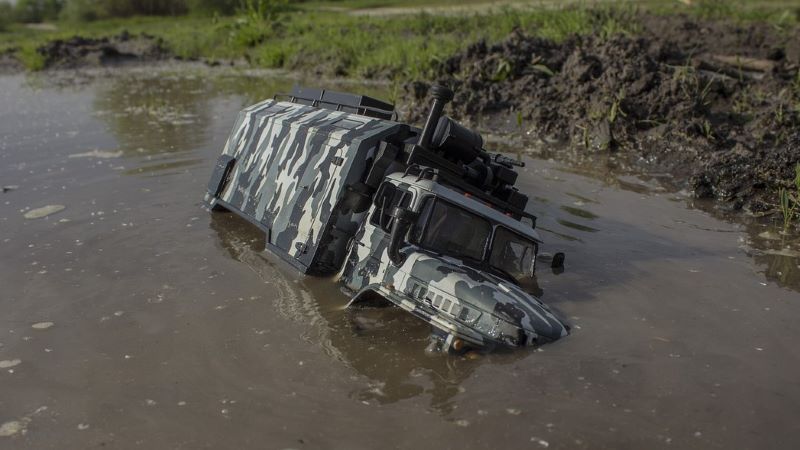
(469,315)
(489,325)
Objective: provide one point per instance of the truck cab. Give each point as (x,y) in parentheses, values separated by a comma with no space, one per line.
(460,265)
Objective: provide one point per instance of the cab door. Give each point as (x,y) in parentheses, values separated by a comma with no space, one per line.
(369,259)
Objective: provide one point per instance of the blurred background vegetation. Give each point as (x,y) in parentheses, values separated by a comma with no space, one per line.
(33,11)
(387,39)
(36,11)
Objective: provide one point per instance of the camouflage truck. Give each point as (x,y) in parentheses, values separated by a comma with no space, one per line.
(423,219)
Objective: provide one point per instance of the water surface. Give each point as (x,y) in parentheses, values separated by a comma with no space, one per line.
(134,318)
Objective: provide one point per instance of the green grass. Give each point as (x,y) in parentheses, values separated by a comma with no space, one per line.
(335,42)
(789,200)
(404,47)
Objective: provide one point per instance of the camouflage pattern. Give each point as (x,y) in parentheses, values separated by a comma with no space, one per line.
(483,310)
(294,170)
(293,164)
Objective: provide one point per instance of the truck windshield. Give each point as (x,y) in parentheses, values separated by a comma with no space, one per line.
(512,254)
(454,231)
(450,230)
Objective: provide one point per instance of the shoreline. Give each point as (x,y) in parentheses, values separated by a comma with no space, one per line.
(716,104)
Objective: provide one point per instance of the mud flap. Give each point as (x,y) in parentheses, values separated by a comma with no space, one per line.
(220,176)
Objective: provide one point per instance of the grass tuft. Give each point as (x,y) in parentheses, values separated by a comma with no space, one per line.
(31,58)
(789,200)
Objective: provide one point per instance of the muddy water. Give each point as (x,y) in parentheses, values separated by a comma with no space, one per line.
(134,318)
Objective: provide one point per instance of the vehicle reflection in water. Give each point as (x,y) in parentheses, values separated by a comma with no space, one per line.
(385,345)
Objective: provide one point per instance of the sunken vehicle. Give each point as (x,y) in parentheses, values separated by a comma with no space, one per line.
(424,219)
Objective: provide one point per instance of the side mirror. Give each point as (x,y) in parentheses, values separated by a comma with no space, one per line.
(402,220)
(558,263)
(558,260)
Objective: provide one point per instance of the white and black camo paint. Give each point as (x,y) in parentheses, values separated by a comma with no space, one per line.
(437,288)
(293,167)
(285,177)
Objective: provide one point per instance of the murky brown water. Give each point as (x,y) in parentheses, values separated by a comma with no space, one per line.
(171,330)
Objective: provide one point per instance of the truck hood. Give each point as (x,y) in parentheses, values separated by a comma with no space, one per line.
(479,290)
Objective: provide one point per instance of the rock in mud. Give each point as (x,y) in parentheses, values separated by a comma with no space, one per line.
(44,211)
(714,103)
(19,426)
(9,363)
(11,428)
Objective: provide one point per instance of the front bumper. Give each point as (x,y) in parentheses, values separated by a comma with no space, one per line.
(486,333)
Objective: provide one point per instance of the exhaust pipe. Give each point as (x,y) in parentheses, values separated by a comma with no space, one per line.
(441,96)
(403,219)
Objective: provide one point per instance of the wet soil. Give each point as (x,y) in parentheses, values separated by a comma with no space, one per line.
(715,104)
(130,317)
(81,52)
(9,63)
(107,51)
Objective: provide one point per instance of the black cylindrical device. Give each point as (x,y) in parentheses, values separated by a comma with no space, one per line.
(441,96)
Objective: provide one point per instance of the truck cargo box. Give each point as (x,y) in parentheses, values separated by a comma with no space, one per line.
(287,167)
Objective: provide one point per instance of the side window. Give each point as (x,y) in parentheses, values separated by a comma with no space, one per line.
(513,254)
(387,198)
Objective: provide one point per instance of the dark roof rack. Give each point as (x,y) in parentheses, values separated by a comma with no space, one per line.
(443,176)
(341,101)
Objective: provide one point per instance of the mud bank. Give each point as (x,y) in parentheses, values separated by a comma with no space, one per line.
(9,63)
(715,104)
(81,52)
(85,52)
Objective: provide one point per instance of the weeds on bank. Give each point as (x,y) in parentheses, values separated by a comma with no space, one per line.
(298,36)
(708,130)
(692,84)
(796,91)
(715,9)
(781,15)
(270,33)
(789,200)
(615,110)
(31,58)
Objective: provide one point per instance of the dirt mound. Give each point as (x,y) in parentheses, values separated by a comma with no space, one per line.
(717,104)
(87,52)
